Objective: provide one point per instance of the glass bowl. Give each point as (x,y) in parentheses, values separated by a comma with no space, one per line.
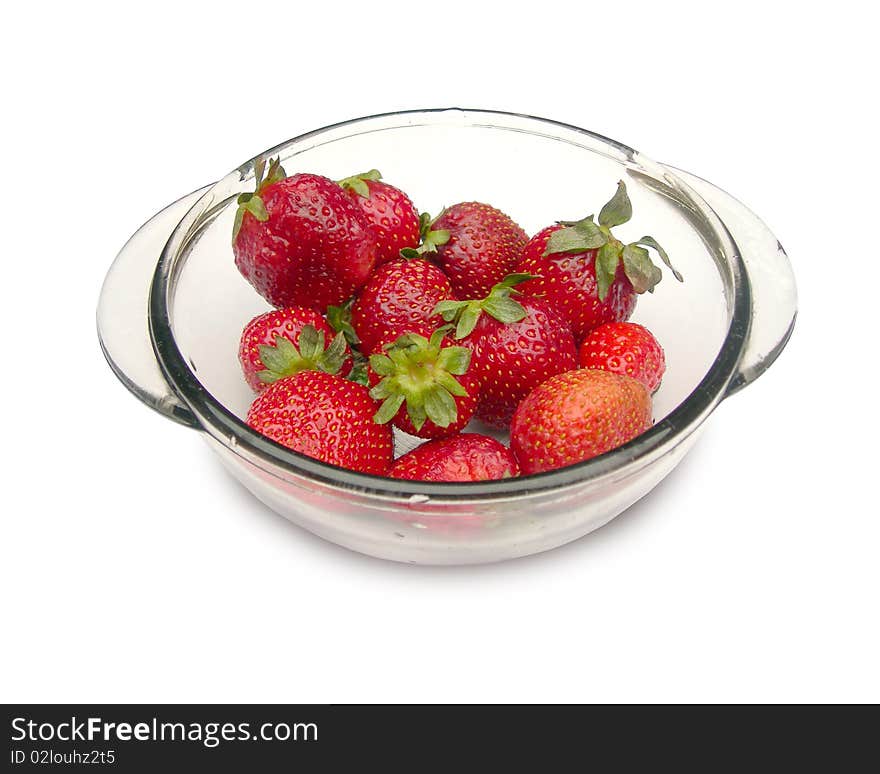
(173,306)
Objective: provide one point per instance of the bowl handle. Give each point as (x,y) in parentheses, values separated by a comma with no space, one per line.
(123,327)
(774,295)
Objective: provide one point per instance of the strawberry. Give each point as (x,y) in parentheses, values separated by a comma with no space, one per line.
(286,341)
(476,246)
(400,293)
(301,240)
(424,383)
(576,416)
(326,417)
(516,345)
(389,211)
(624,348)
(463,457)
(585,273)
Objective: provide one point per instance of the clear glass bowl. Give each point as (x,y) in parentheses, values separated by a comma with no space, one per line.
(173,306)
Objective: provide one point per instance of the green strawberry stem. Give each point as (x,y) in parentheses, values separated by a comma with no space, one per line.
(421,373)
(285,359)
(497,304)
(429,239)
(584,235)
(251,202)
(358,183)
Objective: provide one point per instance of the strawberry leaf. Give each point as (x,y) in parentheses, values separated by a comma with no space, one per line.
(251,202)
(637,266)
(449,310)
(388,409)
(606,267)
(360,188)
(433,239)
(451,384)
(436,340)
(276,172)
(440,407)
(430,239)
(339,318)
(651,242)
(358,183)
(259,169)
(415,409)
(311,342)
(617,211)
(504,309)
(285,359)
(497,304)
(278,358)
(382,390)
(512,280)
(256,208)
(332,358)
(468,320)
(580,237)
(381,364)
(455,360)
(236,225)
(358,373)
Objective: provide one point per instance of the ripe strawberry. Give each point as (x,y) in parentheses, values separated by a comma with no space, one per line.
(389,211)
(400,293)
(516,344)
(424,382)
(326,417)
(575,416)
(476,245)
(463,457)
(624,348)
(286,341)
(586,274)
(301,241)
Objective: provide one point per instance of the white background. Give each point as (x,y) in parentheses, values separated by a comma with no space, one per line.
(134,569)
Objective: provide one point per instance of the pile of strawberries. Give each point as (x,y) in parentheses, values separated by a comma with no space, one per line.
(385,317)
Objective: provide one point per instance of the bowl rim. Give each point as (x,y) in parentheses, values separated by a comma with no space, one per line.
(279,461)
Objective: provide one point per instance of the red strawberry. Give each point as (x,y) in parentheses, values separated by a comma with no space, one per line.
(400,293)
(425,384)
(517,344)
(326,417)
(463,457)
(476,245)
(576,416)
(388,210)
(624,348)
(286,341)
(301,241)
(586,274)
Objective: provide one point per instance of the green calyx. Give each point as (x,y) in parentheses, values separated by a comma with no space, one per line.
(420,373)
(585,235)
(497,304)
(251,202)
(429,239)
(358,373)
(308,354)
(339,318)
(358,183)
